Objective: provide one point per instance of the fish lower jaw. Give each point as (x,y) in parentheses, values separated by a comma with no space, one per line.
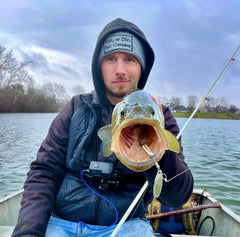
(137,166)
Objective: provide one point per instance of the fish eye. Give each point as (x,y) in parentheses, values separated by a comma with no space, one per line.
(123,113)
(151,111)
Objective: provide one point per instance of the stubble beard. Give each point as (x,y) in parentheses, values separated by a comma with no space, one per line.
(120,93)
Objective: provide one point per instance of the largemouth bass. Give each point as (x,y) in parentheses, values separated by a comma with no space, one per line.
(137,121)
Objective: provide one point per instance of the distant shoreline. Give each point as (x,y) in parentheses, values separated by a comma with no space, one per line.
(207,115)
(175,114)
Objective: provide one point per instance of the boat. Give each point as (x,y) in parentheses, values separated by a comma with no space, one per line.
(214,218)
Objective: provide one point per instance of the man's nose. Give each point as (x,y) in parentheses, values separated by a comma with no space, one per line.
(120,68)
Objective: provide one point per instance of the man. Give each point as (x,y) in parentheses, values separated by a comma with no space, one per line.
(56,201)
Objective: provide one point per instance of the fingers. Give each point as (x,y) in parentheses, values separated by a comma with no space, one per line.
(160,107)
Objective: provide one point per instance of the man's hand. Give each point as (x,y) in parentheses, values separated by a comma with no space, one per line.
(160,107)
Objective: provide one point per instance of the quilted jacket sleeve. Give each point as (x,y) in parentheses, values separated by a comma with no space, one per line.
(176,192)
(44,177)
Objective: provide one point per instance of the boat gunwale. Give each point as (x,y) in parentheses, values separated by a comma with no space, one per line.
(224,208)
(6,198)
(207,197)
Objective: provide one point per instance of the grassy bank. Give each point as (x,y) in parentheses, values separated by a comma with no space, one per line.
(207,115)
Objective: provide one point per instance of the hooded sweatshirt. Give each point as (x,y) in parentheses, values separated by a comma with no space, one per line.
(116,26)
(53,183)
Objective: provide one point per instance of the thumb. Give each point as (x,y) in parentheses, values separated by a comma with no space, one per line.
(160,107)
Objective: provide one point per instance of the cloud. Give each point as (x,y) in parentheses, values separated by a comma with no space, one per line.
(56,66)
(192,40)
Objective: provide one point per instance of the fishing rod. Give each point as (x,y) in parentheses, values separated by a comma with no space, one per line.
(209,90)
(145,186)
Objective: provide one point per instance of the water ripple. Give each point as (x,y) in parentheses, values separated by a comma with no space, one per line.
(211,148)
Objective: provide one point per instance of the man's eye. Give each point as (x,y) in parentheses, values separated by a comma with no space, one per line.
(110,59)
(130,59)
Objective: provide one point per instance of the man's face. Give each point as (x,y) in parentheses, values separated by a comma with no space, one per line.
(121,73)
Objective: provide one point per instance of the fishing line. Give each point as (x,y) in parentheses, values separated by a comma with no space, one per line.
(164,176)
(104,228)
(168,180)
(160,176)
(145,186)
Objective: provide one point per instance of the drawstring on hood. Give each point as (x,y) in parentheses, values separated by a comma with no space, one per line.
(119,25)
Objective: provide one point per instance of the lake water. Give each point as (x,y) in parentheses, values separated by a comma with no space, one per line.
(211,148)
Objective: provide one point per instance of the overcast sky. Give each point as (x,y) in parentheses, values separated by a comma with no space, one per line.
(192,41)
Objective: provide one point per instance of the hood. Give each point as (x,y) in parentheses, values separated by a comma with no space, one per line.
(114,26)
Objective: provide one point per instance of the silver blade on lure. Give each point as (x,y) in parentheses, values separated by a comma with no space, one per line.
(158,181)
(160,176)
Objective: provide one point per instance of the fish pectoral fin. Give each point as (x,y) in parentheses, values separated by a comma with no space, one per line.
(105,135)
(173,143)
(107,149)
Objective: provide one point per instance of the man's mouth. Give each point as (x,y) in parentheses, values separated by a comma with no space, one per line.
(120,82)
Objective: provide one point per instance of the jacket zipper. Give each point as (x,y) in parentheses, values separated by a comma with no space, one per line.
(96,209)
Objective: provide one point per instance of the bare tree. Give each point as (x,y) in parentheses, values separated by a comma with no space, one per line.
(221,104)
(12,72)
(55,90)
(61,94)
(175,102)
(222,101)
(209,102)
(232,109)
(191,102)
(78,89)
(162,100)
(17,91)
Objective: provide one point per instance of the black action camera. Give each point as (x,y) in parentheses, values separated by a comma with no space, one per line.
(101,169)
(103,175)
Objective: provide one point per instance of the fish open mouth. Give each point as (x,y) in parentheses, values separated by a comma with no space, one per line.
(131,140)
